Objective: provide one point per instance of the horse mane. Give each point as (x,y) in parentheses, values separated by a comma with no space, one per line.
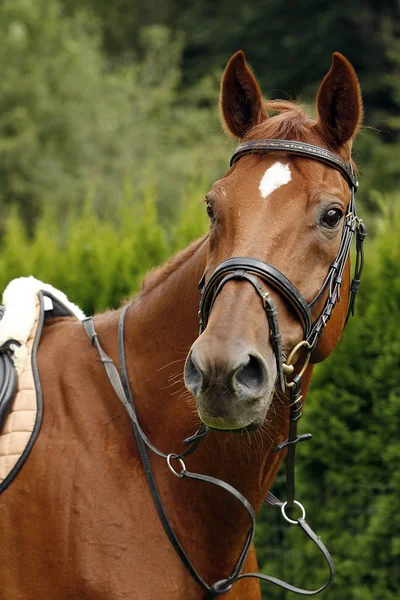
(286,121)
(159,274)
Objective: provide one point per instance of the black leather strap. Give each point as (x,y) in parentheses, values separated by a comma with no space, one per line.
(360,237)
(264,271)
(292,588)
(8,376)
(270,310)
(146,462)
(296,406)
(300,148)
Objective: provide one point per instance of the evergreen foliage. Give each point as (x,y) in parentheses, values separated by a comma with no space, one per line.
(98,262)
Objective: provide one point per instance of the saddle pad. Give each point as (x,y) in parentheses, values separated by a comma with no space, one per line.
(24,418)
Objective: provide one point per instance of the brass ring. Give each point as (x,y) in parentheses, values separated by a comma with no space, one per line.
(288,363)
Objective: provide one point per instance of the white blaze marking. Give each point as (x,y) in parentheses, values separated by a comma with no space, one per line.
(273,178)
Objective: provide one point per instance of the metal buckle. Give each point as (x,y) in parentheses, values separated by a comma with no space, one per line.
(288,366)
(265,297)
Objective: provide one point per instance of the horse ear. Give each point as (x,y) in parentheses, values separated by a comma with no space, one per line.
(240,101)
(339,103)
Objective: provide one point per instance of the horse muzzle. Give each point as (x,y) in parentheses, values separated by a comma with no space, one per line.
(233,389)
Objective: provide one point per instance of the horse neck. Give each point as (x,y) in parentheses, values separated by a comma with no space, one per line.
(161,325)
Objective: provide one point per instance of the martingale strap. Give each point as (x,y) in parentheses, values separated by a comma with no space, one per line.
(122,389)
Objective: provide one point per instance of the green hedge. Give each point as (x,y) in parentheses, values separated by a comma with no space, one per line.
(97,261)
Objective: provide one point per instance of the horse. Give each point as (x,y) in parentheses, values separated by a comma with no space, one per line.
(80,519)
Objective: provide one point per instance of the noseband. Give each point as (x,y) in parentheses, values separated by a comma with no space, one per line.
(254,270)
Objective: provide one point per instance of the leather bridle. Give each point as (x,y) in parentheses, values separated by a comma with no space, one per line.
(253,270)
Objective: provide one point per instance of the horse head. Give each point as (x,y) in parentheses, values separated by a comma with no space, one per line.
(289,212)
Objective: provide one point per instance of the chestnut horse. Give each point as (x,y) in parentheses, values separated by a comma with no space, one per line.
(79,519)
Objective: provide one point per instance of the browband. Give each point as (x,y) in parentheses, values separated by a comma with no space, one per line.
(307,150)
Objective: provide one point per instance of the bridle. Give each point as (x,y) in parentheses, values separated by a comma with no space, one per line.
(254,270)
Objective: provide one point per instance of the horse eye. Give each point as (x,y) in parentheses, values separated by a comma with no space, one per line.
(210,212)
(332,218)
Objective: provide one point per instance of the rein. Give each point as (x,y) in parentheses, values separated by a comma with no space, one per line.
(253,270)
(122,389)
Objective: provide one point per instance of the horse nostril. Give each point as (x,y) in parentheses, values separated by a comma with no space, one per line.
(193,375)
(252,375)
(243,374)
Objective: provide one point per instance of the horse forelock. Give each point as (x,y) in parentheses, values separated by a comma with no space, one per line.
(287,120)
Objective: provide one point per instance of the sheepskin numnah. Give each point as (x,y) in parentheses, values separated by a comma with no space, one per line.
(25,412)
(22,423)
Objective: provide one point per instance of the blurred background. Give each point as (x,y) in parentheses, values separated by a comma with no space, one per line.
(109,140)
